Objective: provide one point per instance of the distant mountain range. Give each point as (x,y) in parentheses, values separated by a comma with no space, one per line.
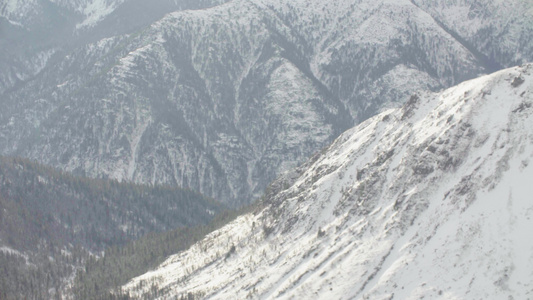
(430,200)
(222,98)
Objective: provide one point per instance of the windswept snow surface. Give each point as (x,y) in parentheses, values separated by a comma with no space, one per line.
(431,200)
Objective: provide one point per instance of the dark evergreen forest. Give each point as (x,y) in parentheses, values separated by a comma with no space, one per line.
(55,226)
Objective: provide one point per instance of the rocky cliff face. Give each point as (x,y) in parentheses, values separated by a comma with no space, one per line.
(224,99)
(429,200)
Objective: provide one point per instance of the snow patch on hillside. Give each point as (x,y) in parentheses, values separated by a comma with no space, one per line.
(96,10)
(14,252)
(14,11)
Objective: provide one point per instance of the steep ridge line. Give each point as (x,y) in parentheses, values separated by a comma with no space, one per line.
(431,232)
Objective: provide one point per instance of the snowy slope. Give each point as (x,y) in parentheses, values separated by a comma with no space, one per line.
(430,200)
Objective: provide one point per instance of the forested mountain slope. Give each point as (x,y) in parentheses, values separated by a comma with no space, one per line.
(492,30)
(52,222)
(223,99)
(430,200)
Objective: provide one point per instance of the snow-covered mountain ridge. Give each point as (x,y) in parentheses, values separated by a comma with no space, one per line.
(429,200)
